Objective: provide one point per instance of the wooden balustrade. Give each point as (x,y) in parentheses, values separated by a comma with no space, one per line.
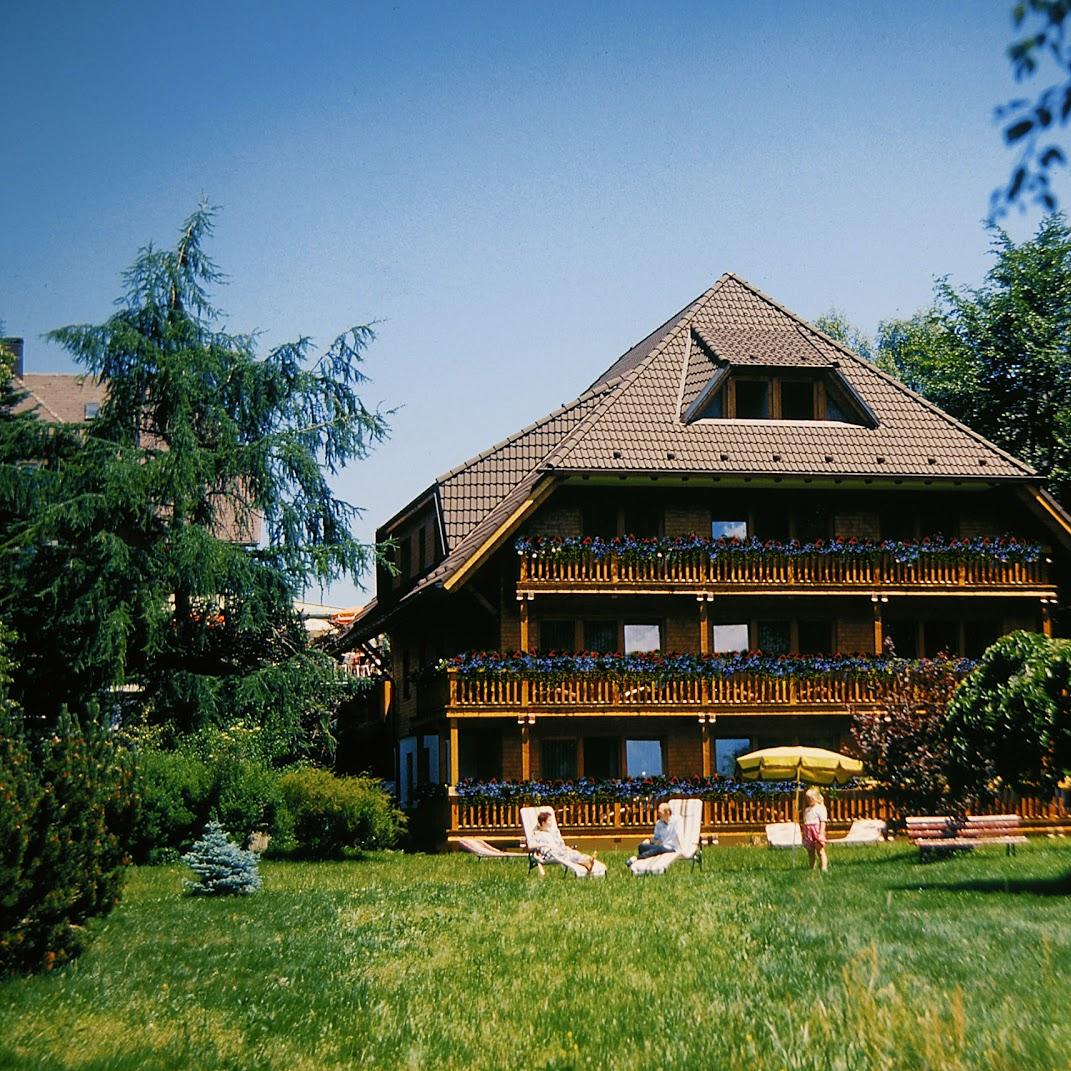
(581,692)
(743,572)
(726,814)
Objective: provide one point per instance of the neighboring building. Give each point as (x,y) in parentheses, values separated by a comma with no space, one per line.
(735,418)
(76,398)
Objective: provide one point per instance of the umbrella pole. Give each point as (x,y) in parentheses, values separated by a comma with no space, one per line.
(796,812)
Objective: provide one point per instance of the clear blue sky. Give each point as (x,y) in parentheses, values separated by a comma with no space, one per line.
(517,192)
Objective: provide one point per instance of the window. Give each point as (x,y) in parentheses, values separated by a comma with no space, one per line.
(599,518)
(815,637)
(479,753)
(643,758)
(725,753)
(978,635)
(752,399)
(91,410)
(642,638)
(557,636)
(602,757)
(642,519)
(728,529)
(559,760)
(898,523)
(797,399)
(904,635)
(812,523)
(600,636)
(728,638)
(942,637)
(774,637)
(771,522)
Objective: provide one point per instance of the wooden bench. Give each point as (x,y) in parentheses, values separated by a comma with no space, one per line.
(937,834)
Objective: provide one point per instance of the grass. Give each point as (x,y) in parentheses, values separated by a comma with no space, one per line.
(445,962)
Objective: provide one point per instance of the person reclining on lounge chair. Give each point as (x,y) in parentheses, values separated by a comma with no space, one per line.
(547,845)
(666,838)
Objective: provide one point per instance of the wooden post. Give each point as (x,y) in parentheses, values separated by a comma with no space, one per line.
(455,762)
(524,624)
(526,751)
(704,627)
(879,639)
(1046,619)
(704,728)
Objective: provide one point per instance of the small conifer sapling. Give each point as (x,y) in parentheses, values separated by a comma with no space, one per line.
(222,868)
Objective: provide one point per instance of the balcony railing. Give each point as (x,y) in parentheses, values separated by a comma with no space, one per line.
(744,573)
(584,693)
(633,818)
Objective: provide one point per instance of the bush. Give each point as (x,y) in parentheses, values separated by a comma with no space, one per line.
(66,804)
(331,815)
(222,868)
(181,790)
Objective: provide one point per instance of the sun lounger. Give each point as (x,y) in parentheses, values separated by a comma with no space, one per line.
(784,835)
(691,815)
(482,850)
(529,816)
(862,831)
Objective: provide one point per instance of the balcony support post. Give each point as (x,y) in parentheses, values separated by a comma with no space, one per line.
(526,749)
(455,758)
(523,608)
(704,626)
(1046,618)
(704,730)
(879,639)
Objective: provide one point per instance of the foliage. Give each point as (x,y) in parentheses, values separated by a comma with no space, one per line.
(835,324)
(65,808)
(332,815)
(1005,548)
(903,744)
(222,868)
(998,357)
(139,563)
(1011,718)
(1030,123)
(883,966)
(587,789)
(220,773)
(670,666)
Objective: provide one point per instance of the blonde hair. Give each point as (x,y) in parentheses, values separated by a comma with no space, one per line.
(813,796)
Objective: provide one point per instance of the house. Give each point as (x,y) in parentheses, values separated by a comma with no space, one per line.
(736,482)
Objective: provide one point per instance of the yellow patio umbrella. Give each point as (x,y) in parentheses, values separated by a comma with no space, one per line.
(813,765)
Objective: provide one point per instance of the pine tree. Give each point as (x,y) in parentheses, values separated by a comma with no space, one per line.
(122,573)
(222,868)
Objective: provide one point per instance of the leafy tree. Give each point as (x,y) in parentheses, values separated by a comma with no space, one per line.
(999,357)
(903,744)
(136,567)
(835,324)
(1029,123)
(1010,721)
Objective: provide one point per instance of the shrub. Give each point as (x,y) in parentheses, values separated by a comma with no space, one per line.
(66,804)
(222,868)
(332,815)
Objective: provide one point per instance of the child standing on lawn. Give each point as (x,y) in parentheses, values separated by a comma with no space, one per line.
(815,817)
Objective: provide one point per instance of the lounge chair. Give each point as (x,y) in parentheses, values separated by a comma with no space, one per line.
(529,816)
(862,831)
(482,850)
(784,835)
(691,815)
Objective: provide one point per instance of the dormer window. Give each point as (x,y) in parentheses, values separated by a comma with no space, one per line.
(779,394)
(91,410)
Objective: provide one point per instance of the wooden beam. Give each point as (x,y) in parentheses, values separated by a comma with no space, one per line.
(455,758)
(1046,620)
(879,639)
(704,729)
(536,498)
(704,627)
(526,752)
(523,607)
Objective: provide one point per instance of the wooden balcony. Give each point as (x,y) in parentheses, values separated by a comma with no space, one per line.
(633,819)
(699,574)
(580,694)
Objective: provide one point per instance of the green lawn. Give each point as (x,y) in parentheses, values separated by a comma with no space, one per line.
(445,962)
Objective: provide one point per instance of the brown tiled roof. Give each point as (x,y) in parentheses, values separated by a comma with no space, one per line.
(633,420)
(61,396)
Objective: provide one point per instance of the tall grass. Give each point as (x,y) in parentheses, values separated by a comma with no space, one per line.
(445,962)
